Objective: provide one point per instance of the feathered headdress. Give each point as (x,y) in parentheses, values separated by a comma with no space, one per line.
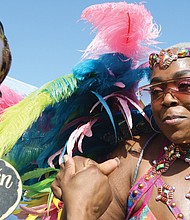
(123,28)
(87,112)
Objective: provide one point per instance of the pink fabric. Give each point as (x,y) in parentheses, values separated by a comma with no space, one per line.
(144,211)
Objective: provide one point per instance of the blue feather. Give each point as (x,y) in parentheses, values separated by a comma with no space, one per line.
(99,76)
(103,102)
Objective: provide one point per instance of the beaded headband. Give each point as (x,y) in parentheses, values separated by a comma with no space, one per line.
(165,57)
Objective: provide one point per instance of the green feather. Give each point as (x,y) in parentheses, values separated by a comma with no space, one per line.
(41,187)
(18,118)
(50,198)
(37,173)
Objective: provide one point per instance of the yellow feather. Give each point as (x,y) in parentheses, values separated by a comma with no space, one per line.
(18,118)
(56,202)
(32,217)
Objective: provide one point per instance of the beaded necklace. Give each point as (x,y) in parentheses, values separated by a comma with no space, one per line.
(171,153)
(165,192)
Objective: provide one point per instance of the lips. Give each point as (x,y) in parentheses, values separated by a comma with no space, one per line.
(173,119)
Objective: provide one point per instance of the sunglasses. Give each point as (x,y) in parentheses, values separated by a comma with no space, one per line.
(180,89)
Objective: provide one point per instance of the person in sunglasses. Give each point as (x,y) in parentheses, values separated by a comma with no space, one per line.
(152,180)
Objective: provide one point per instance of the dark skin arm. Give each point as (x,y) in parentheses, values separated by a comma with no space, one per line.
(86,192)
(119,179)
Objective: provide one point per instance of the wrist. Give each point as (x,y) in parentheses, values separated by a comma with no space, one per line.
(80,213)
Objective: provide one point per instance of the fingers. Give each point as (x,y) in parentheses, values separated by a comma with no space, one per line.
(69,169)
(74,166)
(56,190)
(66,172)
(106,167)
(109,166)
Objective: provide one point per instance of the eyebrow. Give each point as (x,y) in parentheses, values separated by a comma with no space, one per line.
(176,75)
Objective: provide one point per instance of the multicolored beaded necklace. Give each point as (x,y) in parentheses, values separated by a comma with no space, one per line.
(165,192)
(171,153)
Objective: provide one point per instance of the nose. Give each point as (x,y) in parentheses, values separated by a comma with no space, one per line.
(169,99)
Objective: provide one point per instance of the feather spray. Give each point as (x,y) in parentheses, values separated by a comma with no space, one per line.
(18,118)
(9,98)
(49,116)
(121,27)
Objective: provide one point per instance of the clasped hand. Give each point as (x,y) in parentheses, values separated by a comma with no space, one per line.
(83,186)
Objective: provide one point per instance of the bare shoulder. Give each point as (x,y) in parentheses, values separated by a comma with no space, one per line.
(120,180)
(129,152)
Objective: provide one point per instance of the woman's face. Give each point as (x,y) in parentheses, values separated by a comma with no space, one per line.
(172,109)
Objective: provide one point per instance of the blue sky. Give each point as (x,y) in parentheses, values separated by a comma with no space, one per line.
(46,36)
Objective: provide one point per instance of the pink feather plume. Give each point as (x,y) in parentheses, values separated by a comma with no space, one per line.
(9,98)
(121,27)
(77,136)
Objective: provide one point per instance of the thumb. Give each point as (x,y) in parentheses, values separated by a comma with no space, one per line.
(69,167)
(109,166)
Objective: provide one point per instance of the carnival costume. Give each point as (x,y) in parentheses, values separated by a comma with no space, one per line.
(170,152)
(153,178)
(88,112)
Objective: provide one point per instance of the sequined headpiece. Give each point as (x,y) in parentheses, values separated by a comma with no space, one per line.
(165,57)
